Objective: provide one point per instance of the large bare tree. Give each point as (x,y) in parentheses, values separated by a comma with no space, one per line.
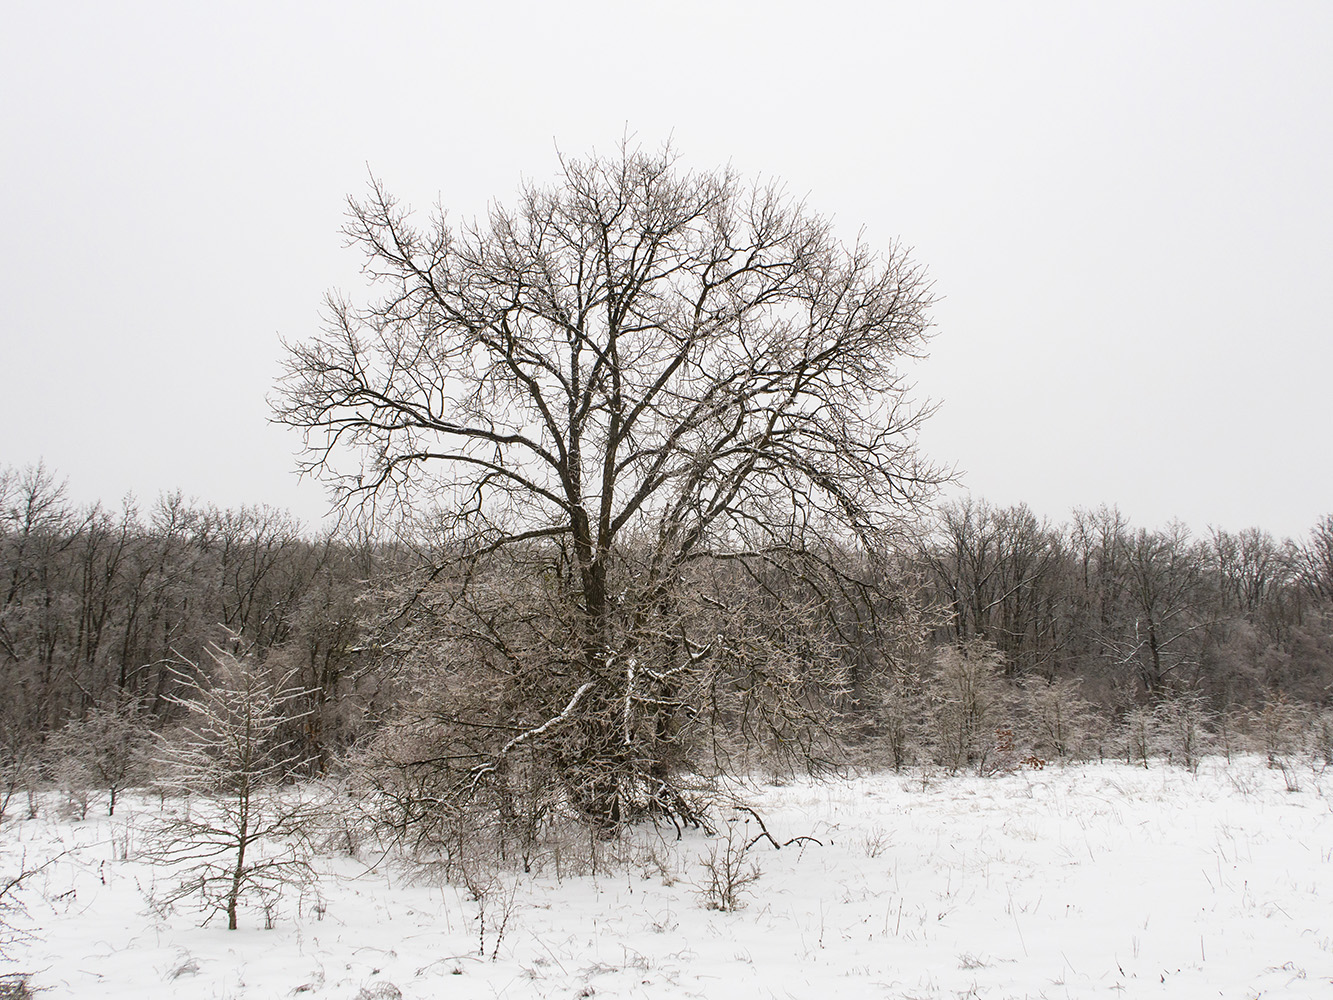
(636,372)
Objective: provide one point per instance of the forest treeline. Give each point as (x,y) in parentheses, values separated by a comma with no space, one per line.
(105,605)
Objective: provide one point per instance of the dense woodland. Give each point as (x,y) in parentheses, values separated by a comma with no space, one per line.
(101,606)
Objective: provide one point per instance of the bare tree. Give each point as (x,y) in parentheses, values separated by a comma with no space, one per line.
(998,571)
(254,548)
(635,372)
(244,827)
(20,767)
(37,526)
(1314,561)
(106,749)
(966,704)
(1164,578)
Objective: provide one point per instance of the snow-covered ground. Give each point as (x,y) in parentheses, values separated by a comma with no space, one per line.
(1080,881)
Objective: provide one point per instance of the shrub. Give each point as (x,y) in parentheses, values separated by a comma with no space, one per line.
(106,749)
(966,698)
(727,870)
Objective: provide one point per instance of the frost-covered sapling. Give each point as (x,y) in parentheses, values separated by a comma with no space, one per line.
(106,749)
(966,701)
(19,768)
(1139,736)
(1182,724)
(244,831)
(1282,728)
(1059,718)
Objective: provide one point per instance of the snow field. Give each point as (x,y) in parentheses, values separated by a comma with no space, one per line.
(1093,880)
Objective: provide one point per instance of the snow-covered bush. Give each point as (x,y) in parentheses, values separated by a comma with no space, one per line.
(1323,737)
(966,704)
(1138,736)
(1183,730)
(107,750)
(895,728)
(427,794)
(1058,719)
(19,765)
(1281,729)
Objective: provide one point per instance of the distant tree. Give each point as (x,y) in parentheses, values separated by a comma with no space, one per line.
(106,749)
(966,705)
(38,525)
(1315,561)
(1250,569)
(1096,542)
(257,553)
(327,623)
(1166,607)
(20,766)
(636,372)
(998,571)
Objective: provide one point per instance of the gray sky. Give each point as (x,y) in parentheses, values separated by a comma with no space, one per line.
(1127,209)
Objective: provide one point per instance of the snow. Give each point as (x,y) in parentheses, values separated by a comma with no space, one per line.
(1088,880)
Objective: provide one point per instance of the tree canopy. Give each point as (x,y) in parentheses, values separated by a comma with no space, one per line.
(636,370)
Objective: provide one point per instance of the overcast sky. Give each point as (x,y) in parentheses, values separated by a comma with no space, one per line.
(1127,210)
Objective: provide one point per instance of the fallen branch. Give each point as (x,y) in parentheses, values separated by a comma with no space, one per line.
(765,835)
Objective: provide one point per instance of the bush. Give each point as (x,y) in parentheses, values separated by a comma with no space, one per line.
(727,870)
(19,766)
(107,749)
(1281,729)
(1183,730)
(966,698)
(1059,720)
